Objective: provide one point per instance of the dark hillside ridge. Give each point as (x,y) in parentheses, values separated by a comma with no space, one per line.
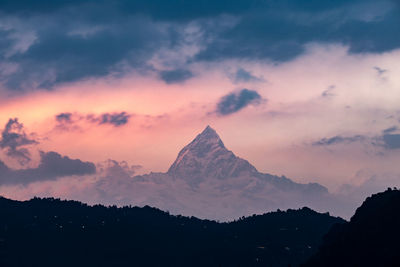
(51,232)
(371,238)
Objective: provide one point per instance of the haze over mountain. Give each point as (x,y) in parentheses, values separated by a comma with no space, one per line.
(208,181)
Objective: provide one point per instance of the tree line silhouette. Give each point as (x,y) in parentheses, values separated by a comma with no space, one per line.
(54,232)
(371,238)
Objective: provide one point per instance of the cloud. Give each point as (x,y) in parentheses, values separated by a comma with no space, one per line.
(236,101)
(245,76)
(14,140)
(329,92)
(113,37)
(380,71)
(391,141)
(70,51)
(64,117)
(67,120)
(339,140)
(387,140)
(280,30)
(390,130)
(51,167)
(118,168)
(115,119)
(175,76)
(118,184)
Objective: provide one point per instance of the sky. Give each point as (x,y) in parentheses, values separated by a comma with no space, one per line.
(306,89)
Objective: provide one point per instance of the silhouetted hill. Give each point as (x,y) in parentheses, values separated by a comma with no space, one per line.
(51,232)
(371,238)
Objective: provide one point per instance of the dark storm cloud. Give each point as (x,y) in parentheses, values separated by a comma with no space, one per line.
(14,140)
(51,167)
(339,140)
(175,76)
(62,55)
(279,30)
(236,101)
(77,40)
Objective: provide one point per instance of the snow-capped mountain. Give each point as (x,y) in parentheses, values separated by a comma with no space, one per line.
(206,157)
(208,181)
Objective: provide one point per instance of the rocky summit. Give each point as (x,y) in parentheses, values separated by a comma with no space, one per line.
(207,157)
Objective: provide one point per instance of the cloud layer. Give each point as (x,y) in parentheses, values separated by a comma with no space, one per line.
(51,167)
(41,47)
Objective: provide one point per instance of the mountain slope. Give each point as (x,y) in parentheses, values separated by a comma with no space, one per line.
(50,232)
(371,238)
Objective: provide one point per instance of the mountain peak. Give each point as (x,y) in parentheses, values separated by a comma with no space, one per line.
(209,129)
(207,157)
(207,137)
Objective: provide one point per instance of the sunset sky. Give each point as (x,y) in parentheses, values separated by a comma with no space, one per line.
(305,89)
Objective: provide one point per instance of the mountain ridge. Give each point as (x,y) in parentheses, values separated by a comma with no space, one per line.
(370,238)
(53,232)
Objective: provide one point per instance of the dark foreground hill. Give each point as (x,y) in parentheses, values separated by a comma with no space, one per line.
(371,238)
(50,232)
